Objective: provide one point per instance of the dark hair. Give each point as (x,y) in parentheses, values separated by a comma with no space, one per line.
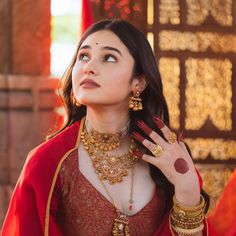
(152,97)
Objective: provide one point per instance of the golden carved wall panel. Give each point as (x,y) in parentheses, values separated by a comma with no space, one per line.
(169,12)
(170,72)
(214,179)
(208,93)
(195,44)
(218,149)
(199,10)
(197,41)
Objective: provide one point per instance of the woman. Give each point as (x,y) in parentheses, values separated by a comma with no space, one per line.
(115,167)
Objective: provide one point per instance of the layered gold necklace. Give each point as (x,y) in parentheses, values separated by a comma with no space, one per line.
(111,168)
(108,166)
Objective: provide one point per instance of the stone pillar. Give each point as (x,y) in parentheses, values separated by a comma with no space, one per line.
(25,37)
(27,94)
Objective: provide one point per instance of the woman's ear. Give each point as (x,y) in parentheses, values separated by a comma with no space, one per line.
(139,83)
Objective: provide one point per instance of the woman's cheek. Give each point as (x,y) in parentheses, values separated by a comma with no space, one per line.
(76,77)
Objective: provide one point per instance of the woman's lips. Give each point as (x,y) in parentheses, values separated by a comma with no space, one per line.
(88,83)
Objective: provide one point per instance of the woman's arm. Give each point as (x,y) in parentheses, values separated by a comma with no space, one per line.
(27,210)
(22,218)
(172,158)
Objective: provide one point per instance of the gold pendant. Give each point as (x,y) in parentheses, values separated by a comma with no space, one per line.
(121,225)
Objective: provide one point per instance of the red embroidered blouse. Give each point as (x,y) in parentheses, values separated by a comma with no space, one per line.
(85,211)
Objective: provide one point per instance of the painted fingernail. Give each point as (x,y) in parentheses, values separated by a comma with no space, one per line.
(138,154)
(180,137)
(157,120)
(138,136)
(144,127)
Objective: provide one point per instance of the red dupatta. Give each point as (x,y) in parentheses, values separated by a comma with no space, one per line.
(29,210)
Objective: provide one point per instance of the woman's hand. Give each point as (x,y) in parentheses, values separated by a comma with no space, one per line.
(173,159)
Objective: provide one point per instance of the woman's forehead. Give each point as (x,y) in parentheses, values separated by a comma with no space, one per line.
(103,38)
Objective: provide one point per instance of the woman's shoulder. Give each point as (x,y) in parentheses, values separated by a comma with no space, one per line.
(45,157)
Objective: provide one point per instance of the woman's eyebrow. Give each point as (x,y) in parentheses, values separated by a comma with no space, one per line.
(85,47)
(103,48)
(112,49)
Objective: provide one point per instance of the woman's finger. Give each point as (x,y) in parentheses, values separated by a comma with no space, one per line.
(168,134)
(156,149)
(151,133)
(151,160)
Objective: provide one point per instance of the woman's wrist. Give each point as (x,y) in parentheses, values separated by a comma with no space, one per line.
(188,193)
(186,219)
(191,198)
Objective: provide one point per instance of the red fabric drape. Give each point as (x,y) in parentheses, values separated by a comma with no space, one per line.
(86,16)
(223,217)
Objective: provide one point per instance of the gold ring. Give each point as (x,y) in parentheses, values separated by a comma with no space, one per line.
(172,137)
(157,150)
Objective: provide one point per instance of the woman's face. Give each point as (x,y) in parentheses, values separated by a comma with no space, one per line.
(103,71)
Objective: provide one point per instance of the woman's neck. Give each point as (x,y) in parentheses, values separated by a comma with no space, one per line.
(106,120)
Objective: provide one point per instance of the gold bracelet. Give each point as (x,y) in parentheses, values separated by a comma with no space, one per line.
(187,217)
(187,224)
(184,214)
(200,206)
(188,231)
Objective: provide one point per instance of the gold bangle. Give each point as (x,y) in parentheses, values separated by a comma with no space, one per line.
(185,214)
(200,206)
(180,215)
(186,224)
(188,231)
(181,226)
(187,217)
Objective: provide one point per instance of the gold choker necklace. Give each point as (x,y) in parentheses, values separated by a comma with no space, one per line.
(108,167)
(103,141)
(111,168)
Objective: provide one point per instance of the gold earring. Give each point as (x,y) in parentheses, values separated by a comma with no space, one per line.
(135,102)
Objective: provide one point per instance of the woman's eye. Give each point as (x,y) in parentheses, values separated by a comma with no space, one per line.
(109,58)
(83,57)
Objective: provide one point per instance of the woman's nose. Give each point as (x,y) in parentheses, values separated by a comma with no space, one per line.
(90,67)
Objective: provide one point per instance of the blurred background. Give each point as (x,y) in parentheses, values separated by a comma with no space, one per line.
(195,45)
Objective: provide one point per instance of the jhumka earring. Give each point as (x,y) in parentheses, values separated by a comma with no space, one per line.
(135,102)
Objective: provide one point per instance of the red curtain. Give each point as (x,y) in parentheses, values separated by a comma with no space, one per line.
(86,16)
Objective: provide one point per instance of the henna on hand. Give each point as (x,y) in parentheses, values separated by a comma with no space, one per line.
(144,127)
(138,154)
(157,120)
(138,137)
(181,166)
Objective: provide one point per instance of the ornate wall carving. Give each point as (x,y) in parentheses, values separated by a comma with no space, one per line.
(195,43)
